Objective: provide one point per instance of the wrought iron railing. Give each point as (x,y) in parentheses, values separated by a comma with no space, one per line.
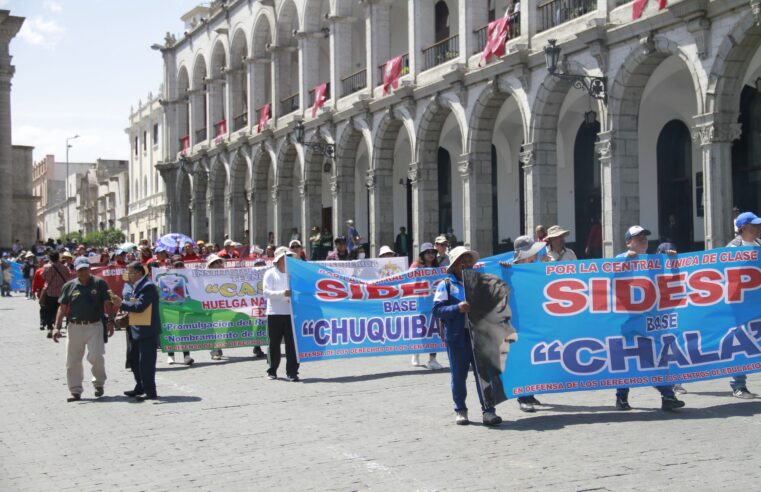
(240,121)
(354,82)
(482,33)
(555,12)
(312,95)
(443,51)
(201,135)
(289,104)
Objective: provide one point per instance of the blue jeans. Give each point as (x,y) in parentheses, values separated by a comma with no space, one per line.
(460,361)
(738,381)
(666,392)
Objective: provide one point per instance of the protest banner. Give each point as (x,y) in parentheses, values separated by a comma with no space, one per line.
(114,276)
(18,283)
(601,324)
(203,309)
(338,316)
(369,268)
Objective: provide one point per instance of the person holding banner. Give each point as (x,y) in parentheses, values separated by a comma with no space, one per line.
(556,244)
(636,244)
(426,259)
(450,307)
(145,327)
(212,262)
(278,295)
(748,229)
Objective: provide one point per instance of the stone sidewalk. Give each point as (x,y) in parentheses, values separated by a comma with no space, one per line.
(373,423)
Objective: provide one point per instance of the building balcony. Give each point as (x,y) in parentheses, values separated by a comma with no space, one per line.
(240,121)
(441,52)
(405,68)
(289,104)
(552,13)
(201,135)
(482,33)
(312,95)
(354,82)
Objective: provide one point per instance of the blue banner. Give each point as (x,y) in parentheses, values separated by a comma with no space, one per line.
(651,320)
(18,283)
(336,316)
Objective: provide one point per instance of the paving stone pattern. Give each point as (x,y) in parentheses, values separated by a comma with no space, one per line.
(374,423)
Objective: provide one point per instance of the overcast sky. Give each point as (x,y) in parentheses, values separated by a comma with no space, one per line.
(80,65)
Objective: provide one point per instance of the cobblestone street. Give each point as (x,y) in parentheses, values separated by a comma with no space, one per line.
(373,423)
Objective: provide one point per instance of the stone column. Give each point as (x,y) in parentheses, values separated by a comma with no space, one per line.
(715,141)
(425,205)
(422,35)
(380,189)
(229,220)
(619,178)
(251,204)
(378,41)
(274,196)
(9,26)
(532,193)
(476,205)
(335,190)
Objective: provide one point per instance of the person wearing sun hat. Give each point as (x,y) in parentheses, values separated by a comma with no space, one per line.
(450,307)
(386,252)
(637,244)
(426,259)
(748,229)
(555,240)
(278,295)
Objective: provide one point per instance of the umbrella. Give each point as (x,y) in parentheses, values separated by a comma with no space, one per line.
(169,242)
(127,247)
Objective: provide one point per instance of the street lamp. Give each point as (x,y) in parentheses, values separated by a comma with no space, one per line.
(595,86)
(319,148)
(66,182)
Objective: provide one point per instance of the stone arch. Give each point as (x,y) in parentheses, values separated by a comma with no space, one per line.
(217,199)
(483,121)
(314,177)
(237,79)
(345,174)
(387,195)
(424,173)
(198,101)
(240,190)
(620,157)
(263,209)
(287,178)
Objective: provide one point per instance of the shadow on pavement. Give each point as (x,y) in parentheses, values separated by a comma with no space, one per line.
(555,421)
(161,399)
(225,361)
(370,377)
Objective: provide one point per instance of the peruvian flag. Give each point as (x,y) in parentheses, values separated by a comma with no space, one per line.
(391,73)
(320,96)
(639,6)
(263,117)
(496,37)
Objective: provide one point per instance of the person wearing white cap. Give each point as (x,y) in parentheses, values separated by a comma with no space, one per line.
(748,229)
(386,252)
(556,241)
(213,262)
(297,249)
(229,252)
(278,295)
(450,307)
(426,259)
(636,244)
(441,243)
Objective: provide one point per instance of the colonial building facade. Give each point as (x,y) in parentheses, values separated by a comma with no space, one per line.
(487,148)
(147,200)
(49,184)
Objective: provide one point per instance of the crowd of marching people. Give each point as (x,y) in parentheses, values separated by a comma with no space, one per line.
(59,277)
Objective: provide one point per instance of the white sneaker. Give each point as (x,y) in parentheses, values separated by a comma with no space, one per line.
(434,365)
(416,360)
(170,360)
(188,360)
(461,418)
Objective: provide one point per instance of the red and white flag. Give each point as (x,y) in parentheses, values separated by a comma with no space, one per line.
(320,96)
(391,73)
(639,6)
(263,117)
(496,37)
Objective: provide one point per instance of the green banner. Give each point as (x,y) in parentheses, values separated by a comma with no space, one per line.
(206,309)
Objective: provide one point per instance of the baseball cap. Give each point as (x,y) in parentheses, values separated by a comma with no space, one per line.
(746,218)
(81,263)
(526,247)
(228,242)
(295,243)
(636,230)
(440,240)
(282,251)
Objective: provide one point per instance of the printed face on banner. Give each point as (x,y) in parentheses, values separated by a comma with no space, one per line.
(172,288)
(492,331)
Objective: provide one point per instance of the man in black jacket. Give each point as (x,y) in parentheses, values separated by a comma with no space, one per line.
(145,326)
